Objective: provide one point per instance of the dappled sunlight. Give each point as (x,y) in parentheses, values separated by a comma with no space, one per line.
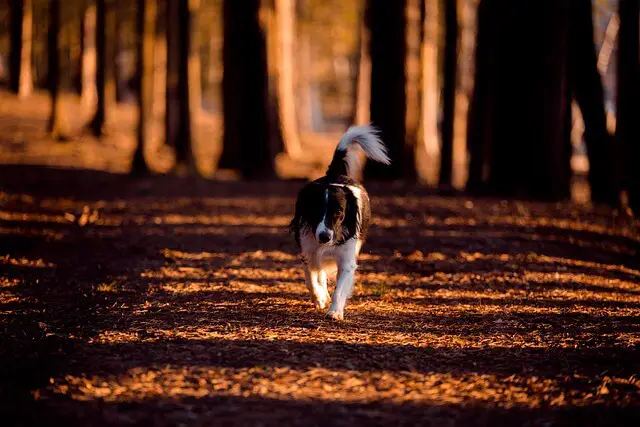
(153,154)
(24,262)
(195,298)
(175,383)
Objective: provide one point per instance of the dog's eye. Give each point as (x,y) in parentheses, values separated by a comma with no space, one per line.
(339,211)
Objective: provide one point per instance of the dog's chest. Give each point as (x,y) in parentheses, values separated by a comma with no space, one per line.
(327,255)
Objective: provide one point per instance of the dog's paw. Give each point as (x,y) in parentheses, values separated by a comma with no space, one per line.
(335,315)
(321,302)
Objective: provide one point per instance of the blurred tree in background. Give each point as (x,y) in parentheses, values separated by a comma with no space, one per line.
(21,47)
(59,59)
(531,60)
(265,87)
(628,126)
(105,59)
(246,142)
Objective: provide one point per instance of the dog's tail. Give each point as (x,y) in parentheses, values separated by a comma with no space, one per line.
(357,138)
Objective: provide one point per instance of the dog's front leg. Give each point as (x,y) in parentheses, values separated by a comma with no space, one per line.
(319,294)
(324,289)
(344,287)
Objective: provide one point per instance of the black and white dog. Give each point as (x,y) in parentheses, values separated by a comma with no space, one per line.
(332,217)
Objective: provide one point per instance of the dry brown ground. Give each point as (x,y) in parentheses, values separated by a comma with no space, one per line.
(171,301)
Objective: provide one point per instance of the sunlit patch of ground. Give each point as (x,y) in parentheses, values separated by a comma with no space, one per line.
(198,304)
(168,301)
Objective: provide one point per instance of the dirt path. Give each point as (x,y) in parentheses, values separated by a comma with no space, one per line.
(173,302)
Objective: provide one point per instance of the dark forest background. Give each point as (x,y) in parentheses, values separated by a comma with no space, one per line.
(496,97)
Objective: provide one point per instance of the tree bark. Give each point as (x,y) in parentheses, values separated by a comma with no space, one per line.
(58,125)
(189,86)
(429,103)
(449,92)
(519,124)
(481,106)
(172,112)
(285,15)
(386,22)
(413,40)
(88,92)
(628,127)
(21,47)
(589,94)
(104,66)
(146,39)
(363,92)
(244,87)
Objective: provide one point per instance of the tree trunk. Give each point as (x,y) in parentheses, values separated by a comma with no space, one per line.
(519,127)
(58,126)
(304,60)
(449,95)
(482,103)
(119,44)
(189,87)
(21,47)
(363,93)
(89,92)
(589,94)
(412,85)
(270,24)
(386,22)
(628,127)
(172,112)
(244,87)
(104,66)
(429,104)
(146,39)
(285,15)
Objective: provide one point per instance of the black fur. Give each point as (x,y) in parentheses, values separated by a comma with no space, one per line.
(338,166)
(341,208)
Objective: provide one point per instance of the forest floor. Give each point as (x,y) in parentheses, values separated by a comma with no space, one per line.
(175,301)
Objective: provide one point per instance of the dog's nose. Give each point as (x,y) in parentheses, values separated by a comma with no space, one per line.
(324,237)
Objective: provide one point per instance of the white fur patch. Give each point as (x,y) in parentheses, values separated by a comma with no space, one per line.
(322,227)
(368,139)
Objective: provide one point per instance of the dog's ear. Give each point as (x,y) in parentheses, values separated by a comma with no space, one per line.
(350,224)
(308,205)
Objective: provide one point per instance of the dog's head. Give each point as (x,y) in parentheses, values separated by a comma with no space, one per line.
(329,212)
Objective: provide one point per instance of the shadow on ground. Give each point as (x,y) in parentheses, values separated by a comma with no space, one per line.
(165,301)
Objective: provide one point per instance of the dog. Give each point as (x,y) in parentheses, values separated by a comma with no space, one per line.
(332,216)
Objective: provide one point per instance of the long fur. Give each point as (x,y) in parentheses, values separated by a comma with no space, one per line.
(332,217)
(357,138)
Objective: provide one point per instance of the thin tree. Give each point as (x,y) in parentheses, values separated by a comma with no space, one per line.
(183,82)
(449,91)
(478,134)
(628,126)
(270,24)
(430,99)
(362,113)
(88,90)
(21,47)
(58,126)
(285,16)
(386,22)
(244,87)
(172,94)
(413,37)
(589,94)
(147,10)
(104,66)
